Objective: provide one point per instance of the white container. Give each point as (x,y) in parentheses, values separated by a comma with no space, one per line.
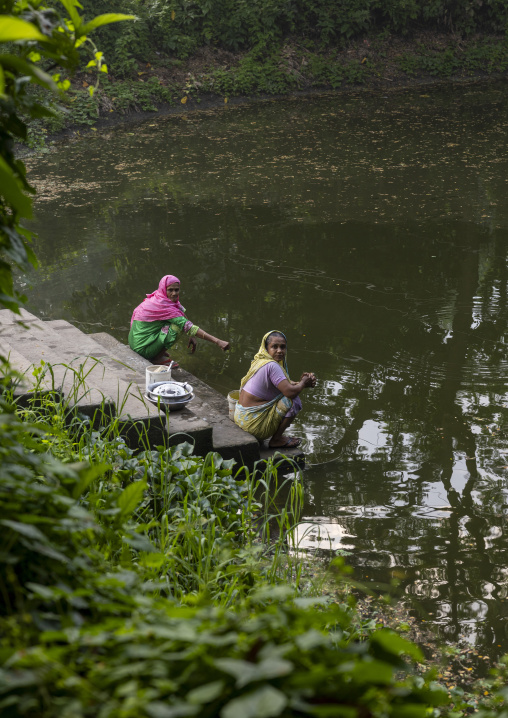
(156,373)
(233,397)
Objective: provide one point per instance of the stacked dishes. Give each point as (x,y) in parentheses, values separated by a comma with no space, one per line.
(174,395)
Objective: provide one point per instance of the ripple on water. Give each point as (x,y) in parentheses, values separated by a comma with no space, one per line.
(386,266)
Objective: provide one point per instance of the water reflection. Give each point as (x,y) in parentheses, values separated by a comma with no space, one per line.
(374,232)
(323,535)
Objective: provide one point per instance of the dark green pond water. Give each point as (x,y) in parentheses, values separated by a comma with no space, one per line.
(372,230)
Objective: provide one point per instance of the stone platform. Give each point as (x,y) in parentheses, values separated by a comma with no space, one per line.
(104,379)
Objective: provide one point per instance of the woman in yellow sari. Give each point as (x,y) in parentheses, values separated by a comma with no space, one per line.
(269,400)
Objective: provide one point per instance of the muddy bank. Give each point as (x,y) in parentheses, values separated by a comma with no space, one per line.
(213,79)
(213,102)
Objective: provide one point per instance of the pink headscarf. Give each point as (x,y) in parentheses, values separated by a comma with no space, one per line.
(157,306)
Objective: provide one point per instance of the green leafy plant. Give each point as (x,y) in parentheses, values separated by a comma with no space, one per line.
(32,37)
(99,616)
(180,27)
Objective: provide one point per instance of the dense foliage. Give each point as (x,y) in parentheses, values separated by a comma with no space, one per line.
(179,50)
(180,27)
(32,36)
(138,586)
(156,584)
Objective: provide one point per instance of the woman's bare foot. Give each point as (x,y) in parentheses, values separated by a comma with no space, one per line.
(164,358)
(285,442)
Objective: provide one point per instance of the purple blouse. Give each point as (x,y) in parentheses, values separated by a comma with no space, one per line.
(263,384)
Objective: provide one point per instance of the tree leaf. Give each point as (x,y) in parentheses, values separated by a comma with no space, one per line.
(207,693)
(158,709)
(246,672)
(13,29)
(376,672)
(393,643)
(153,560)
(48,550)
(70,6)
(130,498)
(11,191)
(105,19)
(22,66)
(311,639)
(264,702)
(86,475)
(46,592)
(410,710)
(28,530)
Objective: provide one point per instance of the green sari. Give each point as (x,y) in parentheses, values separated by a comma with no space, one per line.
(148,339)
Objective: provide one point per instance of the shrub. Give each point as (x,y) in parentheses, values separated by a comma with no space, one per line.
(179,27)
(132,586)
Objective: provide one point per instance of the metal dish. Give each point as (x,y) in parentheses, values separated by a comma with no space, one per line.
(169,392)
(169,406)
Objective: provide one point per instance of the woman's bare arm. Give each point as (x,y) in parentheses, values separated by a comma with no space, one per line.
(292,389)
(209,338)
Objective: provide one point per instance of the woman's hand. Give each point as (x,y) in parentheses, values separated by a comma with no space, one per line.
(192,345)
(225,346)
(309,379)
(291,389)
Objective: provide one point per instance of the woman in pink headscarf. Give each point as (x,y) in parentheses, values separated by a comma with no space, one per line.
(159,320)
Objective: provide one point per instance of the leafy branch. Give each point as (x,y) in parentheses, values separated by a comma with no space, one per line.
(32,34)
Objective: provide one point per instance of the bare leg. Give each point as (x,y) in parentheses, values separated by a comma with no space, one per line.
(278,440)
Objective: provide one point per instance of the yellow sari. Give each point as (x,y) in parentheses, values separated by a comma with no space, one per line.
(263,420)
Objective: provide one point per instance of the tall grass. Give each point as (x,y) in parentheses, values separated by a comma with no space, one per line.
(194,525)
(143,585)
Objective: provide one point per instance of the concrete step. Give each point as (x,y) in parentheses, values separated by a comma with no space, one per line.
(84,383)
(229,440)
(24,385)
(184,425)
(114,380)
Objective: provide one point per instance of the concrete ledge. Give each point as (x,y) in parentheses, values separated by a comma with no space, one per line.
(84,382)
(229,440)
(105,380)
(208,406)
(122,362)
(184,425)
